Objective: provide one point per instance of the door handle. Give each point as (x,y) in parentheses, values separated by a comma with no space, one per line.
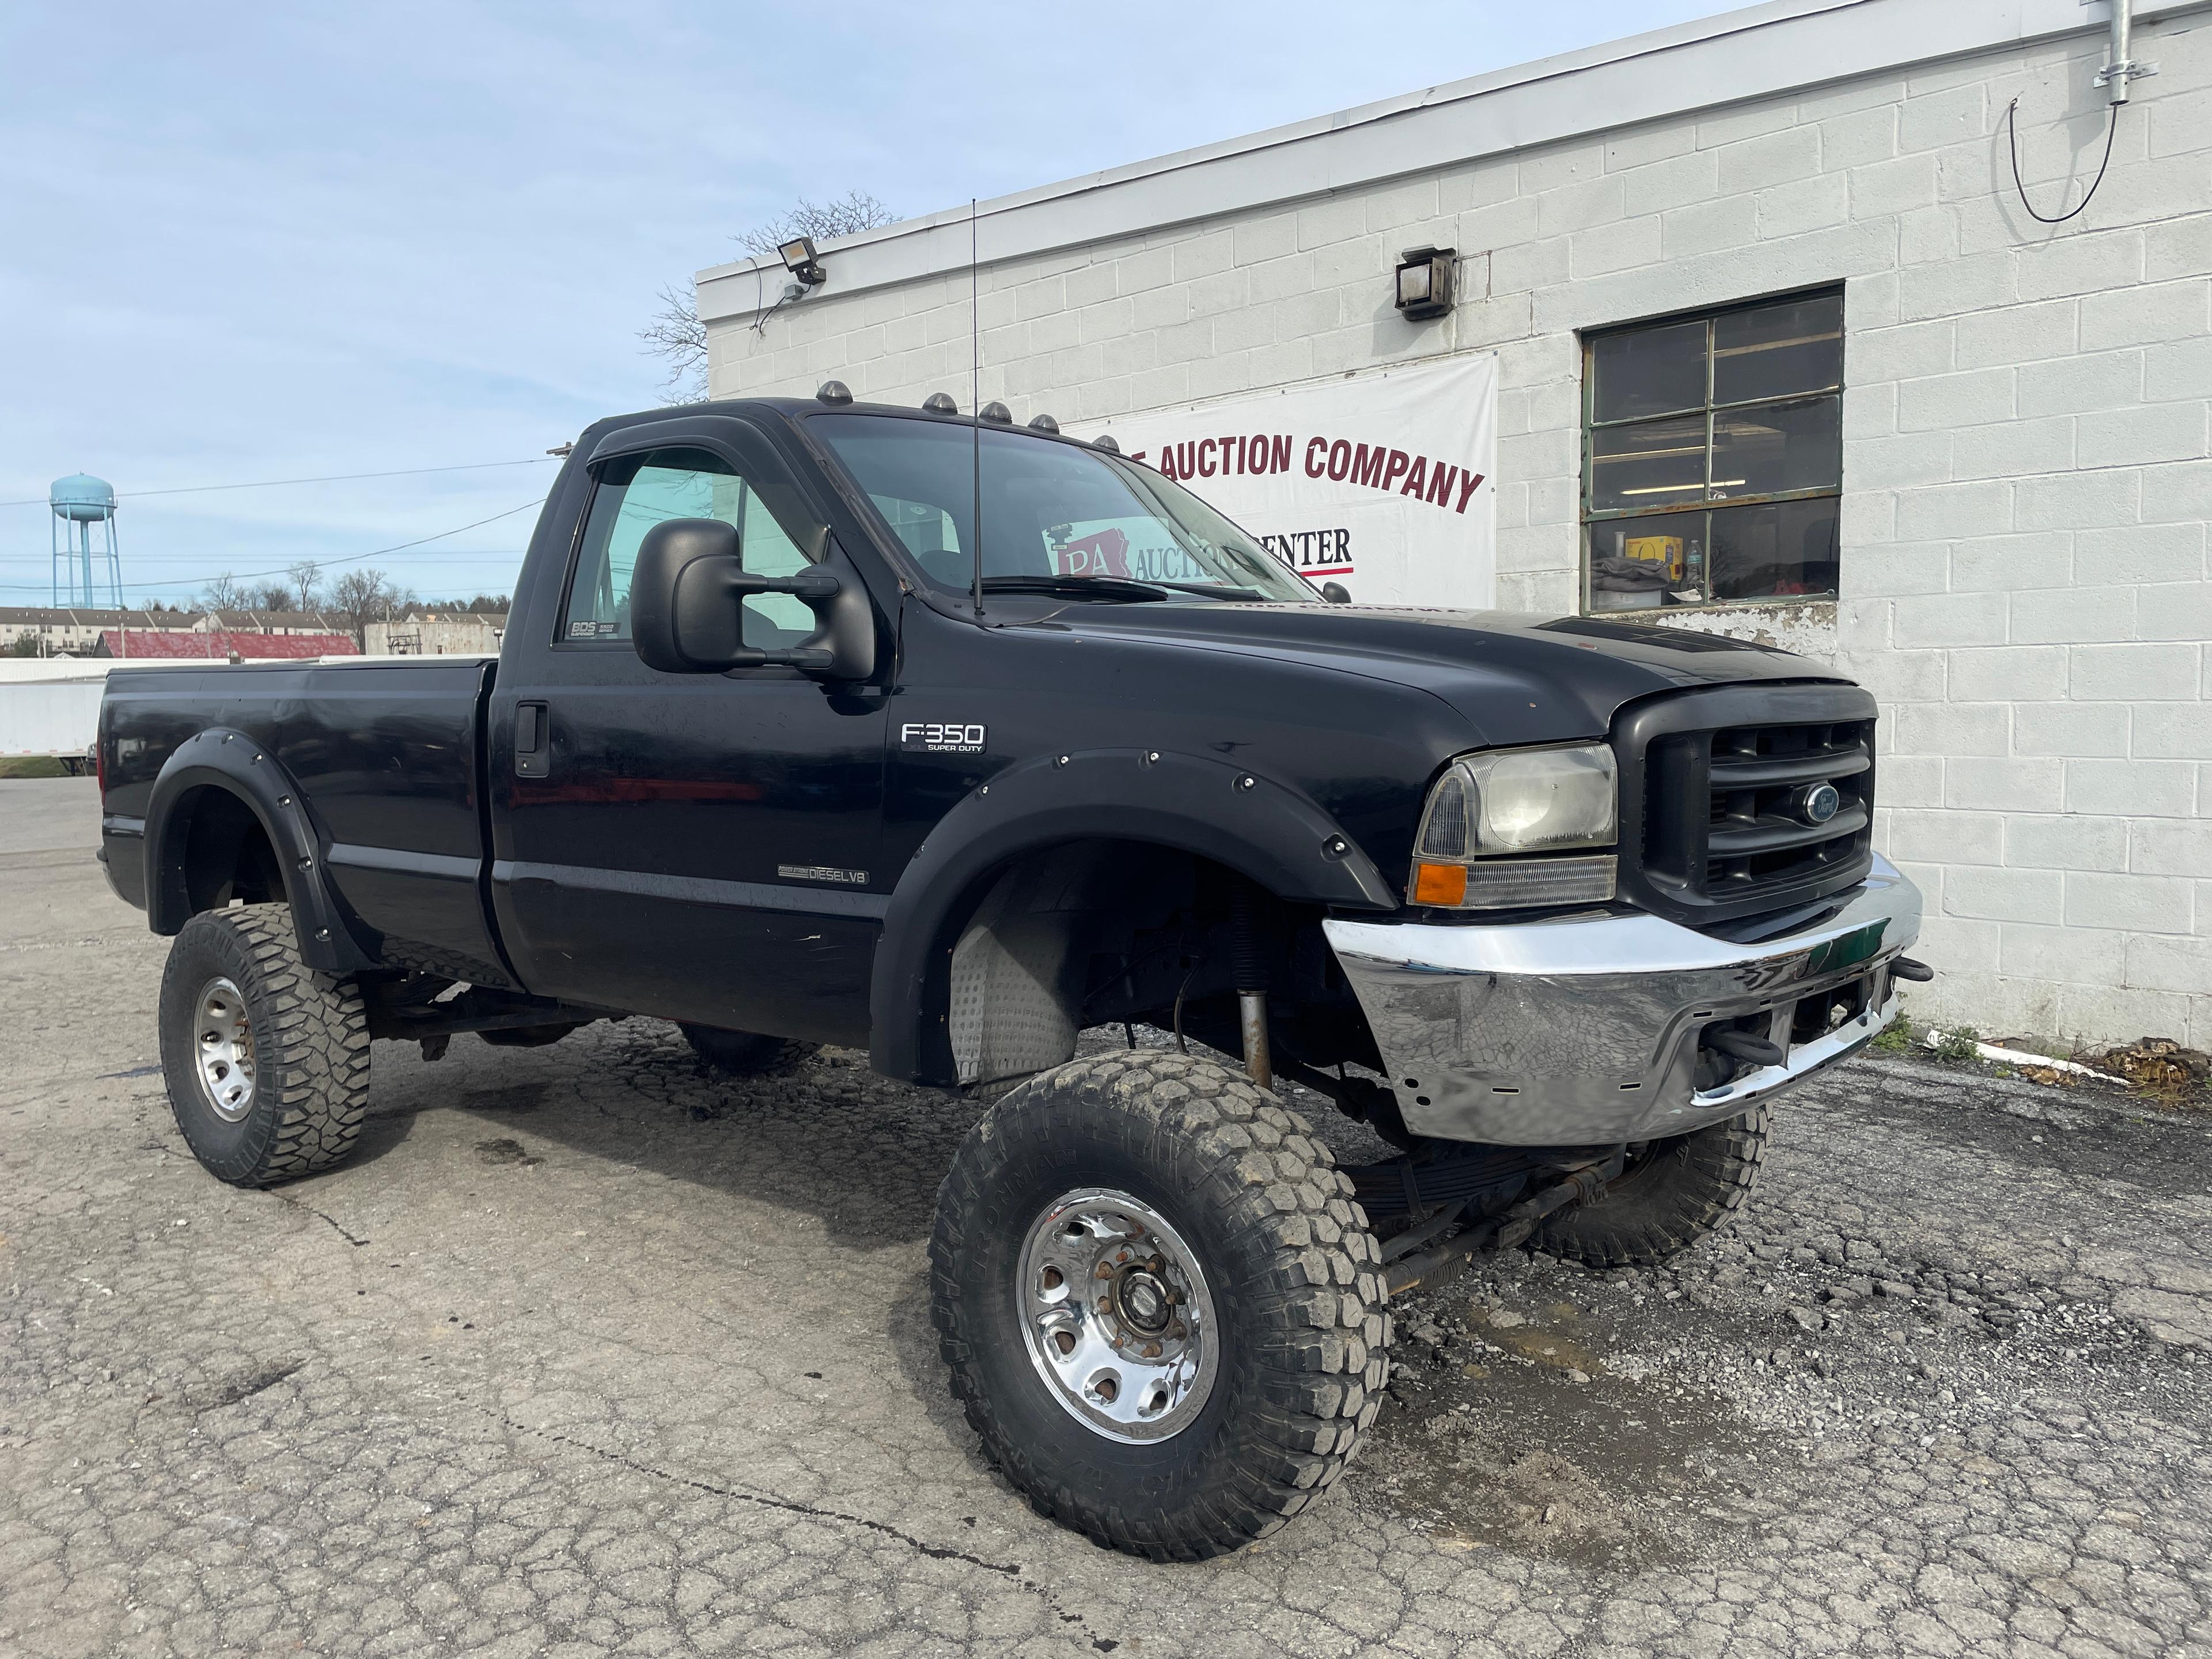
(530,740)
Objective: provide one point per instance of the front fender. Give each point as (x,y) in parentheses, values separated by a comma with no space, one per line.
(235,763)
(1275,836)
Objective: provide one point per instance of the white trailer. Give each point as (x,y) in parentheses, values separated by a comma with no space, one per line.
(56,718)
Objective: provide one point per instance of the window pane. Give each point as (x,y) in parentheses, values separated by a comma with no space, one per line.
(1641,564)
(1785,549)
(1040,498)
(772,620)
(1650,371)
(1772,447)
(1779,349)
(1134,547)
(1651,464)
(929,532)
(635,493)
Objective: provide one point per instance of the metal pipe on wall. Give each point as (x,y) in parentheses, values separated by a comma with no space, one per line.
(2120,68)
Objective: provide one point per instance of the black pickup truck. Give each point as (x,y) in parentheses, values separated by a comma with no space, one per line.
(781,747)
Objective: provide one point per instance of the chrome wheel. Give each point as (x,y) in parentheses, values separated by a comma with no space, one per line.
(222,1044)
(1116,1315)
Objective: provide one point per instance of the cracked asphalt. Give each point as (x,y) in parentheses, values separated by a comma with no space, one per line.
(589,1351)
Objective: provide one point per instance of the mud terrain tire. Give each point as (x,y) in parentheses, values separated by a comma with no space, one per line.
(744,1053)
(1297,1300)
(306,1032)
(1674,1193)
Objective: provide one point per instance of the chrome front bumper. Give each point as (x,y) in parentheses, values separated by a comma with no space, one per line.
(1585,1031)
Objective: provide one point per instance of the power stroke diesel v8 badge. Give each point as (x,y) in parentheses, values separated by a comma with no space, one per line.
(942,737)
(822,873)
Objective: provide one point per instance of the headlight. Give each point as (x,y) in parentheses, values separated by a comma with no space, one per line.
(1488,808)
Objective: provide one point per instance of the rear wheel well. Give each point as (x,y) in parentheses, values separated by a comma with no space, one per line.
(225,854)
(1100,932)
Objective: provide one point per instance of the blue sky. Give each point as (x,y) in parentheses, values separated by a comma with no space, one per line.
(249,243)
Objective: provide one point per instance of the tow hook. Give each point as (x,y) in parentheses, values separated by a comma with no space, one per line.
(1742,1045)
(1502,1231)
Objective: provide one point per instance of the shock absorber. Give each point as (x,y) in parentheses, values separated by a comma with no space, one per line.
(1248,968)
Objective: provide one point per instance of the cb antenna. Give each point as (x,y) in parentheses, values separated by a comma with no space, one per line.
(976,400)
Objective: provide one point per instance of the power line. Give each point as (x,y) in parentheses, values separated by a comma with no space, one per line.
(275,483)
(320,565)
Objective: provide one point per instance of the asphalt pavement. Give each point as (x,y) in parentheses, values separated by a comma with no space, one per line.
(590,1351)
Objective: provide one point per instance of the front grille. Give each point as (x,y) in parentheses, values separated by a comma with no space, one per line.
(1715,791)
(1759,777)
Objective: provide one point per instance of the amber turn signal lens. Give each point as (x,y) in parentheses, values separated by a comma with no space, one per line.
(1440,884)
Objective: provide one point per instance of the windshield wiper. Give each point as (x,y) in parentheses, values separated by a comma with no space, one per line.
(1211,590)
(1077,587)
(1115,587)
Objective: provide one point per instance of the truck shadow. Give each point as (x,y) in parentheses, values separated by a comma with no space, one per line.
(830,1139)
(1528,1441)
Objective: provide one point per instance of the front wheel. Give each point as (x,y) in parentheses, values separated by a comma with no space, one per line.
(1162,1311)
(266,1061)
(1669,1194)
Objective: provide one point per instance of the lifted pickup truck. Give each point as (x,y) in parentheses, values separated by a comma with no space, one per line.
(770,751)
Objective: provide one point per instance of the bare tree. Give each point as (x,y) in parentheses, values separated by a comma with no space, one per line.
(304,576)
(676,335)
(845,216)
(270,596)
(363,596)
(222,593)
(678,338)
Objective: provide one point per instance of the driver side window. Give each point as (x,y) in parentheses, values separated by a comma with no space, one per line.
(634,493)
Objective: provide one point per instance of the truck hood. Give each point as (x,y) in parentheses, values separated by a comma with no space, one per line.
(1515,677)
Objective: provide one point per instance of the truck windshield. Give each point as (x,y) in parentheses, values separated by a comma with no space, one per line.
(1056,512)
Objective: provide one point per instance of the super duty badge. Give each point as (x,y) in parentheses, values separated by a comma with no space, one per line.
(942,737)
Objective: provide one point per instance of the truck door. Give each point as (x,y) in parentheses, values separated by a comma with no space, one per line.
(698,847)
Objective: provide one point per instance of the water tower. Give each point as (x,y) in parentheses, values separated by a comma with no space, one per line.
(84,562)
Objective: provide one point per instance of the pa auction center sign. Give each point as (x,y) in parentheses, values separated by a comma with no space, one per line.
(1382,482)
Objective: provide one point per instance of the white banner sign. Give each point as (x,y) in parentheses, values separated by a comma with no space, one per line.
(1382,482)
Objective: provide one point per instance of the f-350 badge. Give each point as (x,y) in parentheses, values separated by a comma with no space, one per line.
(942,737)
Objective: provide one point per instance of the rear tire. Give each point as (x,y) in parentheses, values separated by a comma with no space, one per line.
(266,1061)
(744,1053)
(1674,1193)
(1226,1203)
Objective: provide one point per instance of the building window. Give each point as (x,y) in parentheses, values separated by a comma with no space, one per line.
(1712,456)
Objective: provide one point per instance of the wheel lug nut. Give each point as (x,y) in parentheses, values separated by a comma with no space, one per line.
(1102,1271)
(1152,1351)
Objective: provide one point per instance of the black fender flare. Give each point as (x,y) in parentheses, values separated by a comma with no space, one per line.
(221,758)
(1271,833)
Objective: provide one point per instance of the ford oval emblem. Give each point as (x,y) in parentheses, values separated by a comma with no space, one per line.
(1821,803)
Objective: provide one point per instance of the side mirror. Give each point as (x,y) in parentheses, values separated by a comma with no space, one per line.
(687,616)
(1336,592)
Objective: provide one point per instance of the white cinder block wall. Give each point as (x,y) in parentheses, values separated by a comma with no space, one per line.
(2026,470)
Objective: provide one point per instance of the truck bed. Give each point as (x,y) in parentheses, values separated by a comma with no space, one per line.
(387,754)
